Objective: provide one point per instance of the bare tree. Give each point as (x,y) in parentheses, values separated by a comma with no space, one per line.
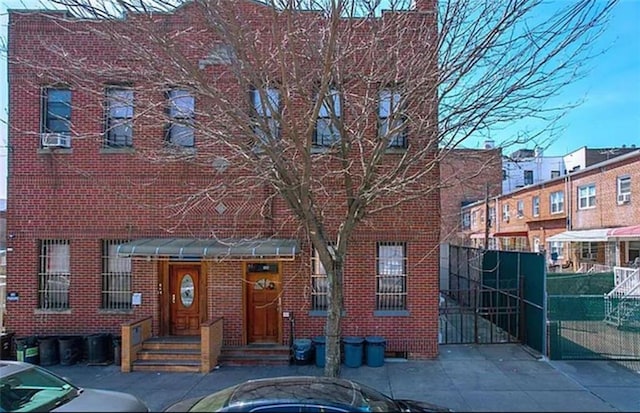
(438,74)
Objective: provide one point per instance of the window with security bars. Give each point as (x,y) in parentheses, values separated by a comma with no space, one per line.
(116,277)
(391,276)
(54,275)
(319,284)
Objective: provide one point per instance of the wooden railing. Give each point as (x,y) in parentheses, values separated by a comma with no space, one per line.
(134,333)
(210,344)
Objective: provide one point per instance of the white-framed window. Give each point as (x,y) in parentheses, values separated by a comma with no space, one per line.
(116,277)
(587,196)
(505,212)
(391,120)
(556,247)
(528,177)
(556,200)
(54,274)
(327,130)
(466,220)
(180,131)
(589,250)
(266,107)
(492,216)
(474,219)
(119,114)
(391,276)
(319,284)
(535,206)
(520,208)
(624,189)
(555,174)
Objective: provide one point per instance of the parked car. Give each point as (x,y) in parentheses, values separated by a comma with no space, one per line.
(25,387)
(301,394)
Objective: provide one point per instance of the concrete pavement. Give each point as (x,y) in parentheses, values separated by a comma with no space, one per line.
(496,377)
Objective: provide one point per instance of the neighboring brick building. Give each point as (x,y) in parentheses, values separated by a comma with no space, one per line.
(590,216)
(467,175)
(91,226)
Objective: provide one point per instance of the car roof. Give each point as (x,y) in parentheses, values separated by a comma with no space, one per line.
(8,367)
(304,389)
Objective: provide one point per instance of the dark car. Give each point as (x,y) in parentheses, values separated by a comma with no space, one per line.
(301,394)
(25,387)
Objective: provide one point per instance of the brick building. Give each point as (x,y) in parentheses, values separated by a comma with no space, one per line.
(98,236)
(589,217)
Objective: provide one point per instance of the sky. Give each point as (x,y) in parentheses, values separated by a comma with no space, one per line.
(608,117)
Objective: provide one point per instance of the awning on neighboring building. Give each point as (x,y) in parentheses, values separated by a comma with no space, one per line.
(632,231)
(511,234)
(587,235)
(210,248)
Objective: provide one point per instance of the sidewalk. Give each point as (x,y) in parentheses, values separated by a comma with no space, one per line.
(498,377)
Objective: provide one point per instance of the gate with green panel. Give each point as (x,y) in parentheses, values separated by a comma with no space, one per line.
(494,297)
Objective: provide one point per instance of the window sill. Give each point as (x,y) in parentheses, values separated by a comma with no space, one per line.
(115,312)
(113,149)
(61,151)
(52,311)
(391,313)
(397,150)
(586,208)
(323,313)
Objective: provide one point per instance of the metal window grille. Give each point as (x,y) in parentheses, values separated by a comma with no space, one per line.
(54,275)
(319,284)
(116,277)
(391,276)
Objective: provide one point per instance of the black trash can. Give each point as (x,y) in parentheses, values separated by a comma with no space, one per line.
(97,350)
(319,343)
(375,351)
(117,350)
(353,351)
(302,351)
(49,353)
(27,350)
(5,349)
(70,350)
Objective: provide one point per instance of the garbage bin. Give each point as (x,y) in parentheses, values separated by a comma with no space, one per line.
(353,351)
(7,339)
(27,350)
(375,351)
(117,343)
(97,348)
(319,345)
(302,351)
(70,350)
(49,353)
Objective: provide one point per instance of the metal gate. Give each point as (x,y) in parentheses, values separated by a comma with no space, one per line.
(492,296)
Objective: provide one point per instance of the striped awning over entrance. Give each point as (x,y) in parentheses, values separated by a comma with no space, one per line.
(185,248)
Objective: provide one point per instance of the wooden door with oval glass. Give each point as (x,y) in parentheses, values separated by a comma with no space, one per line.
(184,300)
(263,288)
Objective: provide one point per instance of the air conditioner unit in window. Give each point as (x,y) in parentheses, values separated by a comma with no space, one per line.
(55,140)
(624,198)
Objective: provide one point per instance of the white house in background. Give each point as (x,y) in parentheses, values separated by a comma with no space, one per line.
(526,167)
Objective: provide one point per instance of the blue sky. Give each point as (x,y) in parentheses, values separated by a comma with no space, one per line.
(609,116)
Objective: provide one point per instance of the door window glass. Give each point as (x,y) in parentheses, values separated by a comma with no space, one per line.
(187,290)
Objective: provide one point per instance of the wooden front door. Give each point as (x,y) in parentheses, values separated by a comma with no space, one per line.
(263,311)
(184,300)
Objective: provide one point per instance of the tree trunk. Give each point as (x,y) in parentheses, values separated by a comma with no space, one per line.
(334,317)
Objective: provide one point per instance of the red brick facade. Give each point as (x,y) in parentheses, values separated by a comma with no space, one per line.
(87,194)
(604,211)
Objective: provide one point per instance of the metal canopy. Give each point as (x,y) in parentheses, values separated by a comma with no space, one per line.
(588,235)
(210,248)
